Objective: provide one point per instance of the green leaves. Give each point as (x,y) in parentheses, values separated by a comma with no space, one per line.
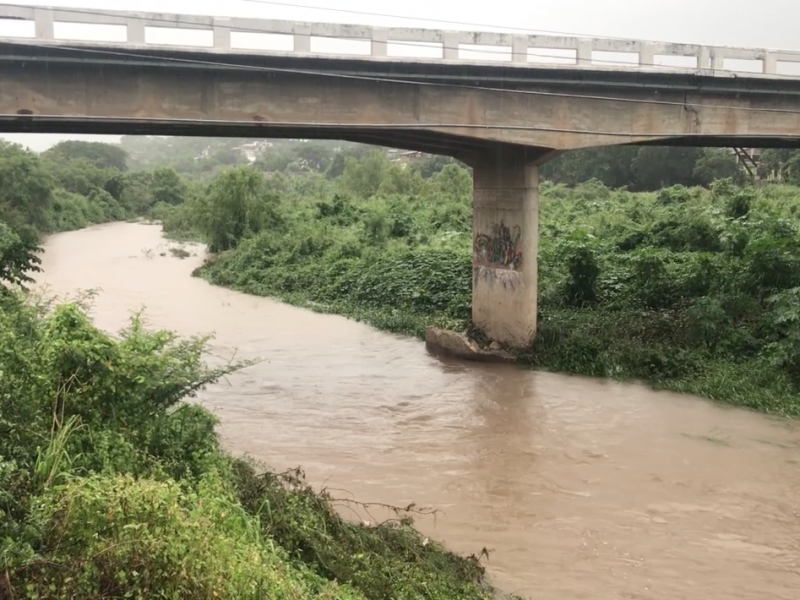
(236,205)
(18,255)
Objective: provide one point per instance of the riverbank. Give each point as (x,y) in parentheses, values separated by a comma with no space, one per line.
(691,290)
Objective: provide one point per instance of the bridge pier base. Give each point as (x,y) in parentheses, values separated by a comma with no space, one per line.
(505,238)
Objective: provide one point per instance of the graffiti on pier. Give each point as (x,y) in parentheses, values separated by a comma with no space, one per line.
(499,250)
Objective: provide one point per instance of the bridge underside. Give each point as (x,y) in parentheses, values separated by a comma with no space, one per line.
(457,109)
(501,121)
(417,140)
(411,139)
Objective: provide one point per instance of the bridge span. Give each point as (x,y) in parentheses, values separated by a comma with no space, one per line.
(503,118)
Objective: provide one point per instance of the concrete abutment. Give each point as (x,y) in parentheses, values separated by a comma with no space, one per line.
(505,241)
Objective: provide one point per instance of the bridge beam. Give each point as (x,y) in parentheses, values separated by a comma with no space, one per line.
(505,246)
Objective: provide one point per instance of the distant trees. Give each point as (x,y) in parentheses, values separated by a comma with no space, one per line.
(782,164)
(637,168)
(643,168)
(26,189)
(236,204)
(167,186)
(72,185)
(99,154)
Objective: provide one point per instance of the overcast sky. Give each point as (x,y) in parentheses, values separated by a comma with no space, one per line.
(749,23)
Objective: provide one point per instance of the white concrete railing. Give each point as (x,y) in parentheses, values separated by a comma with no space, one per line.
(379,38)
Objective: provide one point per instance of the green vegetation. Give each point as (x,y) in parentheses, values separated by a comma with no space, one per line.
(690,288)
(664,267)
(112,483)
(76,184)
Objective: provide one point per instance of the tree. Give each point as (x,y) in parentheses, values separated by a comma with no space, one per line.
(363,178)
(101,155)
(454,182)
(774,161)
(277,159)
(336,168)
(433,165)
(79,175)
(168,187)
(656,167)
(25,188)
(358,151)
(316,156)
(611,165)
(137,191)
(18,255)
(235,205)
(646,168)
(716,163)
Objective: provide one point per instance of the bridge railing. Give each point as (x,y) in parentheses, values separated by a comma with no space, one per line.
(518,48)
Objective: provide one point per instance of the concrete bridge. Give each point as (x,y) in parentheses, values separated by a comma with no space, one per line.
(503,118)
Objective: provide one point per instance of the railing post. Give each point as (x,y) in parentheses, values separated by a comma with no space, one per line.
(704,58)
(450,45)
(519,48)
(222,34)
(647,55)
(770,63)
(718,60)
(380,42)
(43,24)
(584,53)
(302,38)
(136,31)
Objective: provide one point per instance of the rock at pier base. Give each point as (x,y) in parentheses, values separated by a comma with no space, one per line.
(459,345)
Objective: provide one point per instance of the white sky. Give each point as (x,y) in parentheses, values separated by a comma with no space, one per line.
(766,23)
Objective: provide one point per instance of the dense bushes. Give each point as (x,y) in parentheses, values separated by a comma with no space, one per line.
(76,184)
(686,292)
(687,287)
(371,258)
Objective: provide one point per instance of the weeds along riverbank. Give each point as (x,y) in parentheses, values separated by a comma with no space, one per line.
(693,289)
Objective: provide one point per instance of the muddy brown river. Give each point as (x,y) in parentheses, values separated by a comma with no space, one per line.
(578,488)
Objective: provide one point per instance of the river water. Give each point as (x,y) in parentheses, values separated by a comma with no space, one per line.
(578,488)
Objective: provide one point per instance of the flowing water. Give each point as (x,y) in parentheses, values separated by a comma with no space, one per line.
(578,488)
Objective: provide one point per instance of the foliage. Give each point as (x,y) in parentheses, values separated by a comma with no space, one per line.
(113,485)
(644,168)
(167,186)
(98,154)
(18,255)
(116,536)
(25,188)
(386,561)
(76,184)
(236,205)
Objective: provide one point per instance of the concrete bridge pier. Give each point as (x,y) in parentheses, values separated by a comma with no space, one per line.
(505,238)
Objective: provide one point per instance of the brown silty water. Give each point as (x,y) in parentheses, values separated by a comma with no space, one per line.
(578,488)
